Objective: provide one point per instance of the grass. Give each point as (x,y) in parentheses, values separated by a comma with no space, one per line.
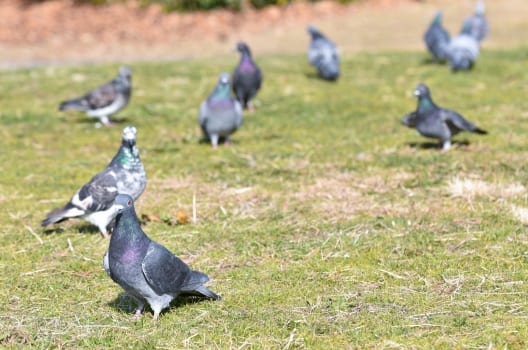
(326,225)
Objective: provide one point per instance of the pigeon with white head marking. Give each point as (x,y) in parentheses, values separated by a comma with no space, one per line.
(105,100)
(435,122)
(323,54)
(437,39)
(93,201)
(146,270)
(220,115)
(247,77)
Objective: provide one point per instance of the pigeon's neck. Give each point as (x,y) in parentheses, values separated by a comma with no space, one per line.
(127,157)
(128,241)
(246,62)
(221,93)
(425,104)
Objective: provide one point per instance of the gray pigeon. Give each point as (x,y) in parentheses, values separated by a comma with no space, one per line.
(323,55)
(435,122)
(463,50)
(478,24)
(247,77)
(105,100)
(146,270)
(437,38)
(220,115)
(93,201)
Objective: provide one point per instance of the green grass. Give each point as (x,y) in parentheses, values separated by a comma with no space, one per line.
(321,227)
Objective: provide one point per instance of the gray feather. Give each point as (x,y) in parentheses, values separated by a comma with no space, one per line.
(463,50)
(247,77)
(437,38)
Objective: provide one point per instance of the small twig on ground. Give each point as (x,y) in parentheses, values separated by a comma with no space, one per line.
(34,234)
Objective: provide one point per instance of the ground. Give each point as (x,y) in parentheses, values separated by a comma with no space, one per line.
(325,225)
(61,32)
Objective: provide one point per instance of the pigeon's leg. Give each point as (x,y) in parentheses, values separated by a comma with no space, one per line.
(251,106)
(139,309)
(104,232)
(105,120)
(446,145)
(214,141)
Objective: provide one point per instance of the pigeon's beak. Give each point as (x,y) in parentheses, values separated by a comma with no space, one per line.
(416,93)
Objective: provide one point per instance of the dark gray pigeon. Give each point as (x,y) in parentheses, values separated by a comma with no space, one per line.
(220,115)
(463,50)
(435,122)
(323,55)
(146,270)
(478,24)
(93,201)
(247,77)
(437,38)
(105,100)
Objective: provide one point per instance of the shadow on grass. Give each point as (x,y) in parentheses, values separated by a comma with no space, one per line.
(315,76)
(432,61)
(114,121)
(125,303)
(436,145)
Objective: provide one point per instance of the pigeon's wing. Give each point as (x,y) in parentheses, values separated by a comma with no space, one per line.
(102,96)
(106,265)
(456,122)
(98,194)
(203,115)
(409,120)
(164,272)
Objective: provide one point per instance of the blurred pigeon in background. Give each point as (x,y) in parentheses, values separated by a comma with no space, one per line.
(463,50)
(105,100)
(247,77)
(477,23)
(323,54)
(435,122)
(437,38)
(146,270)
(220,115)
(93,201)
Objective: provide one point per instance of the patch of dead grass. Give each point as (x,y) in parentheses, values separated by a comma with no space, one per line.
(469,188)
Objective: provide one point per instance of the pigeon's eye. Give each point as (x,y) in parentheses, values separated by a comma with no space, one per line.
(129,203)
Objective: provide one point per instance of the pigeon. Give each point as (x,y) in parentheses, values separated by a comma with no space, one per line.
(323,55)
(220,115)
(435,122)
(93,201)
(437,38)
(105,100)
(247,77)
(146,270)
(478,24)
(463,50)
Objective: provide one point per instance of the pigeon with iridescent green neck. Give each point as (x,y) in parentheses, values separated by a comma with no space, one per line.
(437,39)
(220,115)
(435,122)
(146,270)
(93,201)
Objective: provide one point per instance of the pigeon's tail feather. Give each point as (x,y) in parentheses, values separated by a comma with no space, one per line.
(61,214)
(479,131)
(77,104)
(205,292)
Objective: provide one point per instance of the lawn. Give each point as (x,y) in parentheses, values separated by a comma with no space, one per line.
(326,224)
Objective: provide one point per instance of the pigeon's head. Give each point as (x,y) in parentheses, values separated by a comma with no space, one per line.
(242,47)
(129,135)
(437,19)
(480,8)
(125,75)
(123,202)
(421,91)
(224,79)
(314,32)
(409,120)
(466,27)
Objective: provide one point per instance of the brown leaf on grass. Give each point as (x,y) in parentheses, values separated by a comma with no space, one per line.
(146,218)
(182,217)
